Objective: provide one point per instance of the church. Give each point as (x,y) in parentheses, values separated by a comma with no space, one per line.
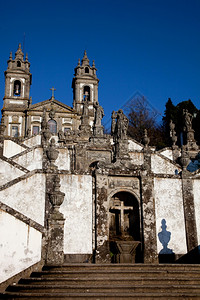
(69,193)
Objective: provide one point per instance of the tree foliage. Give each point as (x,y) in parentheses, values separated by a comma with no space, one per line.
(141,117)
(175,113)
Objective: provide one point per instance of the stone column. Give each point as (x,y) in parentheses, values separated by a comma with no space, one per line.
(189,211)
(148,211)
(55,225)
(102,220)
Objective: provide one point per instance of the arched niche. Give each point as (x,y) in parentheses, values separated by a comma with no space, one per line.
(124,228)
(86,92)
(17,88)
(124,216)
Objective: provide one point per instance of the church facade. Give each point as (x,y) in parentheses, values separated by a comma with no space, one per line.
(71,193)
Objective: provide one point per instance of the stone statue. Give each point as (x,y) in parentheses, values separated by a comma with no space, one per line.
(113,125)
(188,120)
(99,114)
(172,133)
(61,135)
(86,107)
(122,125)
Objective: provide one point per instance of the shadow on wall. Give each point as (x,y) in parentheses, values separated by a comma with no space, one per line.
(166,255)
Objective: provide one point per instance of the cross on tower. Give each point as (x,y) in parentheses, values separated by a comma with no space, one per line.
(52,89)
(121,208)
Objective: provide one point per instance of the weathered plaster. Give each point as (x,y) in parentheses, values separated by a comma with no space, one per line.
(167,153)
(63,160)
(169,206)
(134,146)
(11,148)
(196,189)
(27,196)
(77,211)
(33,141)
(137,158)
(31,160)
(160,165)
(8,172)
(20,246)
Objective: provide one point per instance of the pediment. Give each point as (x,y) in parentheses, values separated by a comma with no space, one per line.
(48,104)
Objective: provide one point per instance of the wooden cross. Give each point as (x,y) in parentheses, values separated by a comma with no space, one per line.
(121,208)
(52,89)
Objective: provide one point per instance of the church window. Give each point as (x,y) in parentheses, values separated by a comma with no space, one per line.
(18,64)
(35,130)
(14,131)
(52,126)
(17,88)
(86,70)
(66,129)
(86,92)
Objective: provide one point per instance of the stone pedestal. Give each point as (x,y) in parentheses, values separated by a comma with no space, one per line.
(98,130)
(55,254)
(126,251)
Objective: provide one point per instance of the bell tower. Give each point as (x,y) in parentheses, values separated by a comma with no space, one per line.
(85,85)
(17,90)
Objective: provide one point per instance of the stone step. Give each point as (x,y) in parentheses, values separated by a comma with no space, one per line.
(73,280)
(109,282)
(88,266)
(106,287)
(100,295)
(106,274)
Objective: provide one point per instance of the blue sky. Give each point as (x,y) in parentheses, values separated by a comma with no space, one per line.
(150,46)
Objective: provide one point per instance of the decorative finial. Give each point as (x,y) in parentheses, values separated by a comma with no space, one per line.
(93,64)
(10,55)
(26,57)
(79,62)
(146,139)
(85,61)
(20,46)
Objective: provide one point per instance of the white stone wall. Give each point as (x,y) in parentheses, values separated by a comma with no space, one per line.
(31,160)
(63,160)
(167,153)
(8,172)
(77,210)
(196,189)
(33,141)
(169,206)
(11,148)
(134,146)
(20,246)
(27,197)
(160,165)
(137,158)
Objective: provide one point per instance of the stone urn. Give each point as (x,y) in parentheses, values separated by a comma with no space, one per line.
(52,153)
(47,134)
(56,197)
(184,160)
(145,139)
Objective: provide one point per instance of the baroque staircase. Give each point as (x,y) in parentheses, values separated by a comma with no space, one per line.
(115,281)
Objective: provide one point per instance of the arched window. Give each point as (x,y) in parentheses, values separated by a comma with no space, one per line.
(17,88)
(18,64)
(86,70)
(86,92)
(52,126)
